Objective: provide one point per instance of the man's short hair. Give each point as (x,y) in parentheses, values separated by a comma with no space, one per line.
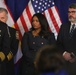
(73,5)
(3,9)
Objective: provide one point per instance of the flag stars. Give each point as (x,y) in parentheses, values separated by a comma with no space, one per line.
(40,3)
(53,3)
(38,11)
(36,1)
(39,7)
(35,5)
(49,1)
(44,7)
(33,0)
(48,5)
(45,3)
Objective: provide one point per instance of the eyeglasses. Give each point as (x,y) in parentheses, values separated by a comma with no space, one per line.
(73,12)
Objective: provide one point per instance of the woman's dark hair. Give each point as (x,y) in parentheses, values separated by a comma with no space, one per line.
(48,59)
(44,24)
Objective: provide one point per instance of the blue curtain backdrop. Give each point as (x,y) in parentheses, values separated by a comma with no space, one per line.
(16,7)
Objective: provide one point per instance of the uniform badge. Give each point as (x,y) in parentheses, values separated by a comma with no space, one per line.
(17,35)
(0,31)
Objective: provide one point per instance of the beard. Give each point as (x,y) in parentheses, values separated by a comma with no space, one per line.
(72,19)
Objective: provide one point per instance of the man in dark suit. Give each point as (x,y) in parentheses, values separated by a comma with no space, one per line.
(67,39)
(4,48)
(14,41)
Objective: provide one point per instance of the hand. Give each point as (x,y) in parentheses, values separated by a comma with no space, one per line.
(72,60)
(67,56)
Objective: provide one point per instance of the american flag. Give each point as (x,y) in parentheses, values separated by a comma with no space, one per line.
(47,7)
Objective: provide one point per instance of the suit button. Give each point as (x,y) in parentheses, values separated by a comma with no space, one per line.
(42,36)
(33,42)
(42,43)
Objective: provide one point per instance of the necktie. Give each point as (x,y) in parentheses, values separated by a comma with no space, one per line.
(72,29)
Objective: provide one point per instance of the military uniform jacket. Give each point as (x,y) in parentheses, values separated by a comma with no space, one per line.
(4,39)
(14,40)
(64,41)
(4,46)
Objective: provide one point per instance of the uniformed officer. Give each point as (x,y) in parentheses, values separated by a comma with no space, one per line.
(4,48)
(14,41)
